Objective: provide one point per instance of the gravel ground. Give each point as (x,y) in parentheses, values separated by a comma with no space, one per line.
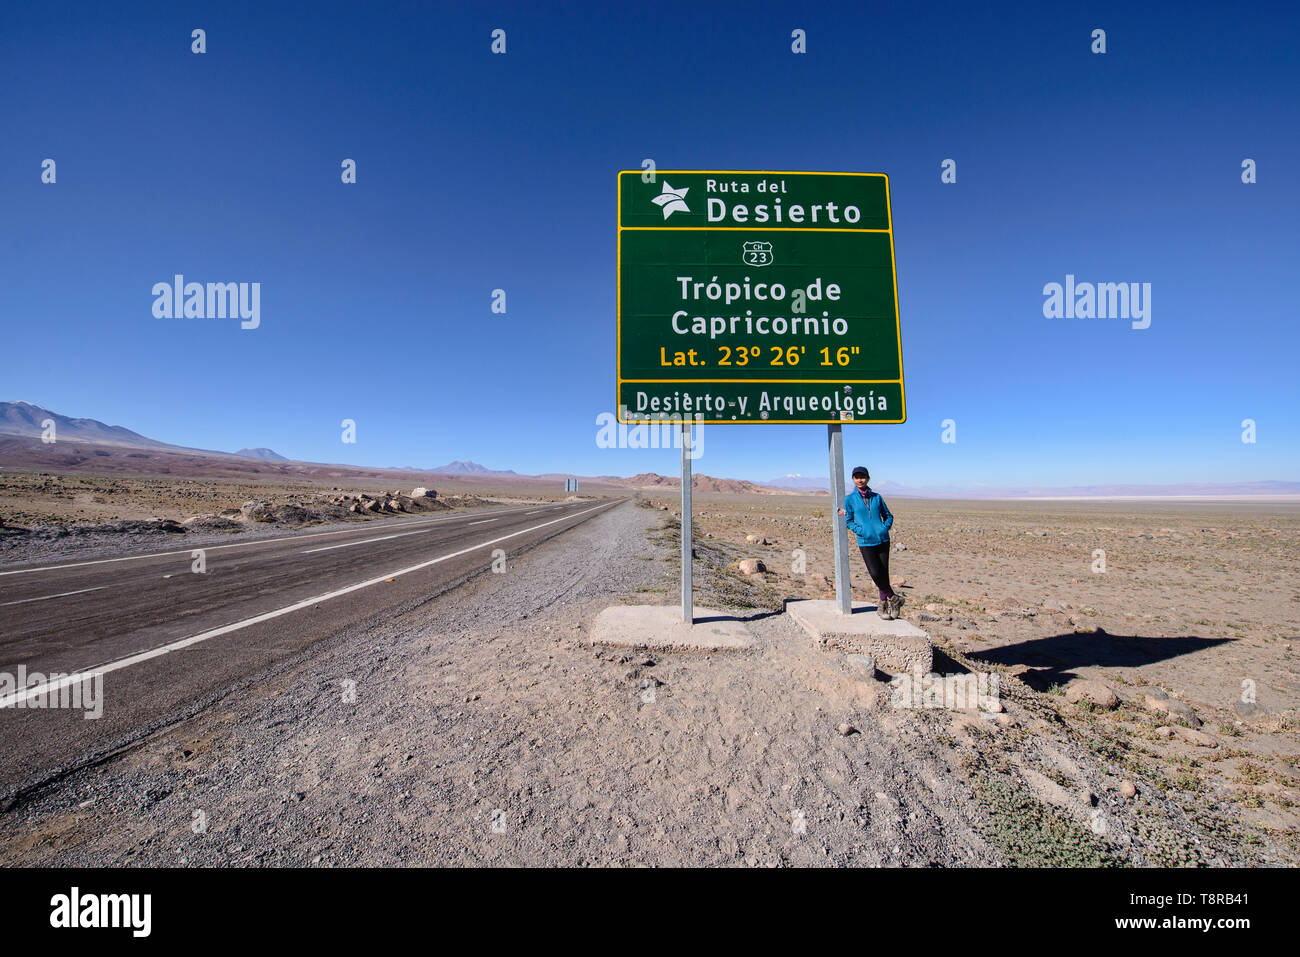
(1198,601)
(487,730)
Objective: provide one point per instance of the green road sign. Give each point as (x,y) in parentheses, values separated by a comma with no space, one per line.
(757,297)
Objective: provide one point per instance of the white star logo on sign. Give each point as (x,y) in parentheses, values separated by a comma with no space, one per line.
(672,200)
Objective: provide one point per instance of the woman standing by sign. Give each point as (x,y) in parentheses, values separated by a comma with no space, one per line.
(869,519)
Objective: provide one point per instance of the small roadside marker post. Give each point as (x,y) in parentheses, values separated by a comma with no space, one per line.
(688,598)
(835,445)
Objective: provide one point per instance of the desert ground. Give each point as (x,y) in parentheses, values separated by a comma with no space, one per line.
(79,501)
(1147,712)
(1199,602)
(75,491)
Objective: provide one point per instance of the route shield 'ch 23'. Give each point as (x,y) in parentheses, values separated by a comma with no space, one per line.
(757,297)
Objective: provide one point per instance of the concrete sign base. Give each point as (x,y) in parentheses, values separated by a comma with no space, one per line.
(897,646)
(660,627)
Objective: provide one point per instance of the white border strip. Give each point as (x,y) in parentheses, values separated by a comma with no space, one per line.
(79,591)
(365,541)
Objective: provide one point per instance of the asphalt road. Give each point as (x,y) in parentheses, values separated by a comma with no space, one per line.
(165,637)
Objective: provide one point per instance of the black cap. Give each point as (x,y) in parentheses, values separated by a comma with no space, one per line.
(860,470)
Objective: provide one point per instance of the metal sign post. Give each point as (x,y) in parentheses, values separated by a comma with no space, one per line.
(688,597)
(843,596)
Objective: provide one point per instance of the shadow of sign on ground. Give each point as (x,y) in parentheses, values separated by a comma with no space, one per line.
(1056,657)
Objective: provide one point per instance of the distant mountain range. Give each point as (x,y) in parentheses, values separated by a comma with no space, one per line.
(30,421)
(699,483)
(261,454)
(469,468)
(801,483)
(25,420)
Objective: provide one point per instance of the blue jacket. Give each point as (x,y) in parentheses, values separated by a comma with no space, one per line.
(869,519)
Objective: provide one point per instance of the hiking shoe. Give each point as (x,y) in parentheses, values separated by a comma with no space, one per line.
(884,610)
(896,606)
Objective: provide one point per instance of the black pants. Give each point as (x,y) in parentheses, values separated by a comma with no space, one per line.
(876,558)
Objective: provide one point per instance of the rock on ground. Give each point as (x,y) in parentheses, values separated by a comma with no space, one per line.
(1095,692)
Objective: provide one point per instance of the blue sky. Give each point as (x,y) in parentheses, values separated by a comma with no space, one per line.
(478,172)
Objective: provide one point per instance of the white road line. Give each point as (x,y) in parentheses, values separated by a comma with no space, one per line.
(10,700)
(534,513)
(80,591)
(484,522)
(366,541)
(212,548)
